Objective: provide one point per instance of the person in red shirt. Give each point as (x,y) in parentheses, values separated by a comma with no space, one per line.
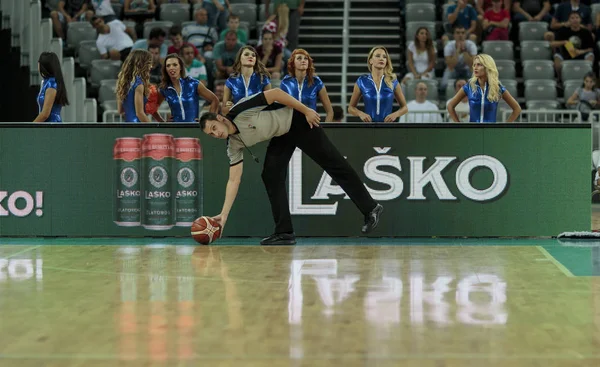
(495,22)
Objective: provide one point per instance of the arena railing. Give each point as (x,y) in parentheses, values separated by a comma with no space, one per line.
(545,116)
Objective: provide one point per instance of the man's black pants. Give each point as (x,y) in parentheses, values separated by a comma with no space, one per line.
(319,148)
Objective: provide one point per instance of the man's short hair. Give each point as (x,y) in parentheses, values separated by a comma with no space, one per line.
(156,33)
(575,12)
(207,116)
(457,26)
(233,16)
(175,30)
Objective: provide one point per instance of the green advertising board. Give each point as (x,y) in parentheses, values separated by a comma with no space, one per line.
(433,180)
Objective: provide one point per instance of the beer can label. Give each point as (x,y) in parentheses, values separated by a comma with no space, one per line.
(127,195)
(188,192)
(158,202)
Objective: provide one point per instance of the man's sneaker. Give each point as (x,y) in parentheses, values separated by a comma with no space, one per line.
(279,239)
(372,219)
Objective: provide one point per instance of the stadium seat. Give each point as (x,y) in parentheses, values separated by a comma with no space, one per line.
(261,11)
(165,25)
(542,90)
(176,13)
(432,89)
(88,51)
(595,10)
(542,105)
(411,29)
(538,69)
(575,69)
(420,2)
(499,50)
(91,110)
(107,90)
(511,86)
(69,112)
(246,12)
(129,23)
(535,50)
(532,31)
(118,9)
(109,105)
(419,12)
(506,69)
(78,32)
(242,2)
(79,97)
(104,69)
(570,86)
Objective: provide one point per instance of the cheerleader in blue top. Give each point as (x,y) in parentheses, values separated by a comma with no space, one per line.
(304,85)
(249,77)
(378,89)
(182,92)
(53,94)
(484,91)
(132,86)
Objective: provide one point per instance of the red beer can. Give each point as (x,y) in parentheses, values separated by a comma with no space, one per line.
(158,203)
(127,153)
(188,196)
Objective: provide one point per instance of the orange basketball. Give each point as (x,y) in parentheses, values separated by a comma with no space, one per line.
(205,230)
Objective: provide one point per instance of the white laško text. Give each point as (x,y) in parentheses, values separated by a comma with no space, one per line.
(420,177)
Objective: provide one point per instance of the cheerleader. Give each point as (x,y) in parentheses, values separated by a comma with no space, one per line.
(378,89)
(53,93)
(249,77)
(133,86)
(182,92)
(484,91)
(304,85)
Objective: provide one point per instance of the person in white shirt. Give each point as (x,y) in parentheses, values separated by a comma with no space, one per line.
(420,105)
(462,108)
(113,42)
(101,8)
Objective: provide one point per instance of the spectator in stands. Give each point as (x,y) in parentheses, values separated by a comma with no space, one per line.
(160,2)
(219,89)
(193,67)
(302,83)
(233,25)
(53,93)
(562,17)
(532,11)
(68,11)
(139,10)
(421,56)
(587,93)
(155,38)
(573,43)
(464,15)
(224,55)
(296,9)
(218,11)
(182,92)
(459,55)
(462,108)
(177,42)
(249,77)
(419,105)
(495,22)
(338,114)
(201,33)
(132,96)
(101,8)
(270,55)
(156,72)
(378,89)
(113,42)
(484,5)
